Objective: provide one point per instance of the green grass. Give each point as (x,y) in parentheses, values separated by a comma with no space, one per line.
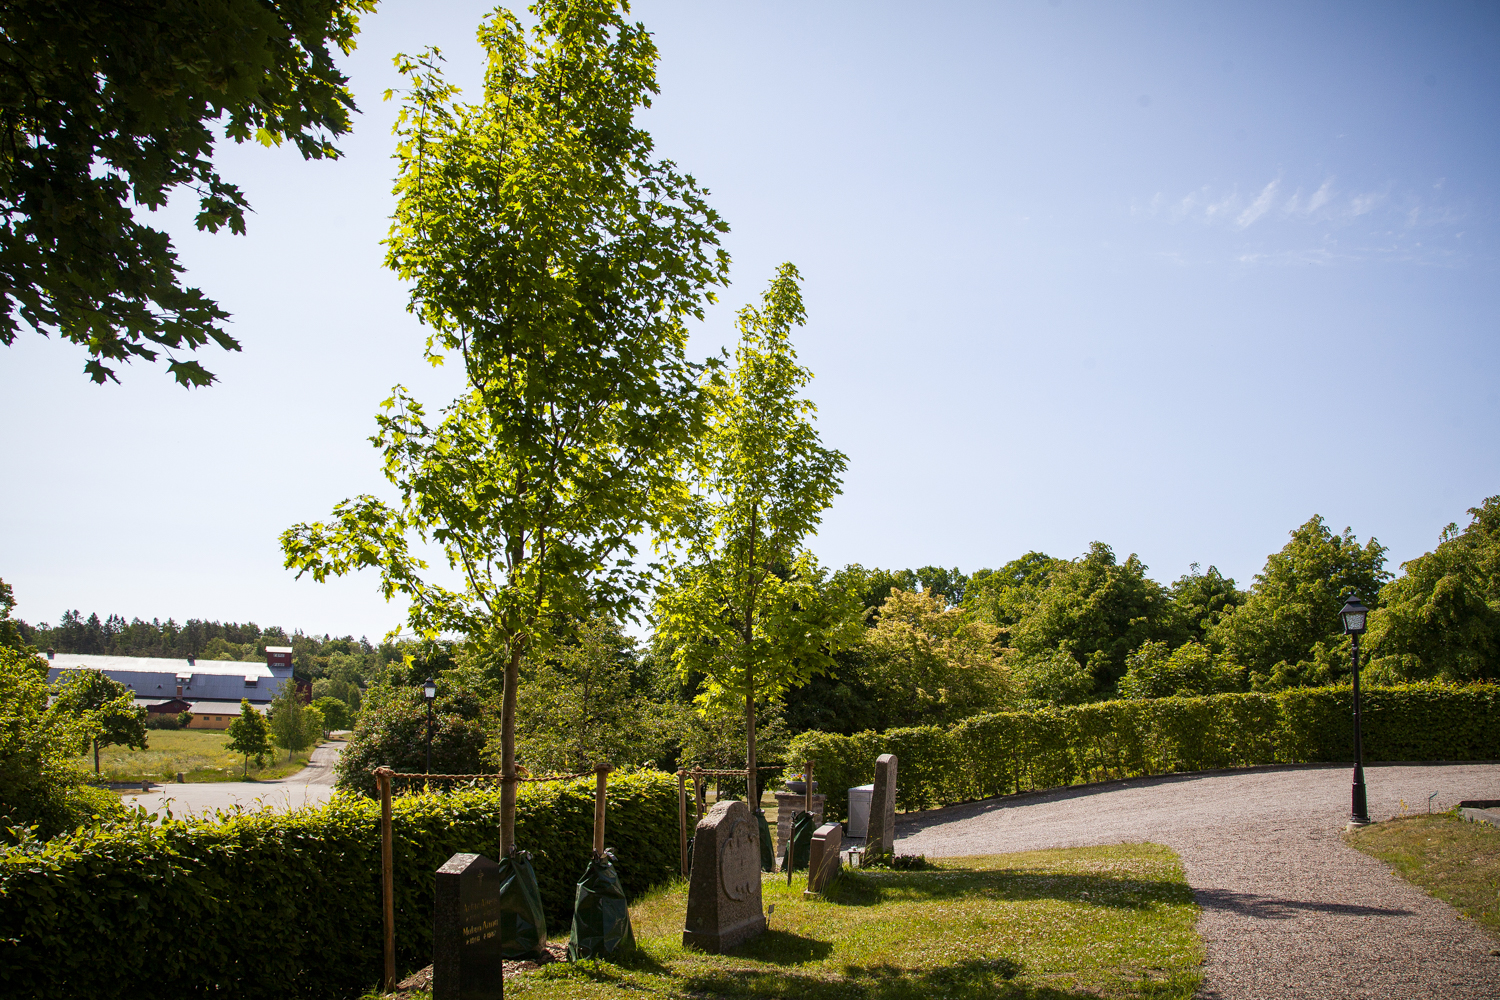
(1453,859)
(1101,921)
(200,753)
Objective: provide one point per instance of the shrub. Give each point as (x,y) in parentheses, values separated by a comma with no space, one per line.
(393,733)
(160,720)
(272,905)
(1006,752)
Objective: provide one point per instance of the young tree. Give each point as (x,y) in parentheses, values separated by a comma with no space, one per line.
(551,253)
(38,747)
(250,736)
(110,106)
(749,608)
(117,721)
(294,726)
(582,705)
(336,714)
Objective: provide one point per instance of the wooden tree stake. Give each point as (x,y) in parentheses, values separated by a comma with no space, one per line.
(600,774)
(387,877)
(682,821)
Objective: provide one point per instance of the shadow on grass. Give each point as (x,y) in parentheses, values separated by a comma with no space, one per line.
(990,979)
(784,948)
(856,888)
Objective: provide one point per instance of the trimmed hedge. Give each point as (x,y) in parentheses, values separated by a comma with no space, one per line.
(288,904)
(1007,752)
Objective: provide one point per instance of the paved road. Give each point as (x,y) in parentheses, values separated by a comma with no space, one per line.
(310,786)
(1289,910)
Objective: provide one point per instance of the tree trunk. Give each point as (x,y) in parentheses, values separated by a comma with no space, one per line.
(508,752)
(96,758)
(751,798)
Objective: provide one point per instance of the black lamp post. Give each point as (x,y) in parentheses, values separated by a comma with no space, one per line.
(429,691)
(1354,616)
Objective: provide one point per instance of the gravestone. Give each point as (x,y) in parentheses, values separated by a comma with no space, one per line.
(823,866)
(723,905)
(466,930)
(882,837)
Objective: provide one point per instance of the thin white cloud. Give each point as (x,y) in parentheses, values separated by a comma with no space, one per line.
(1362,204)
(1320,197)
(1260,206)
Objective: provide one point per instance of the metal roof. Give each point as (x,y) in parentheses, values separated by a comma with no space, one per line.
(159,665)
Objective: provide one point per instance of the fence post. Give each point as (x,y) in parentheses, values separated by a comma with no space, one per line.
(682,820)
(807,797)
(387,877)
(600,773)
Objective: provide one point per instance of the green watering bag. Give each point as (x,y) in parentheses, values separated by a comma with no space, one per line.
(802,834)
(767,850)
(601,914)
(523,922)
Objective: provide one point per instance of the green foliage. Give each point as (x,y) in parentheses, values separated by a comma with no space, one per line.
(270,905)
(930,661)
(1294,605)
(11,636)
(294,726)
(250,735)
(749,610)
(1204,598)
(1156,671)
(335,713)
(111,106)
(341,690)
(108,704)
(1050,677)
(1441,619)
(1015,751)
(546,248)
(392,732)
(1095,608)
(39,779)
(581,706)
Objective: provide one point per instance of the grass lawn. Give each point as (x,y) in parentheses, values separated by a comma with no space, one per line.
(1455,860)
(1101,921)
(198,752)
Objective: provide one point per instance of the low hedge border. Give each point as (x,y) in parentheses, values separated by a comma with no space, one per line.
(264,904)
(1007,752)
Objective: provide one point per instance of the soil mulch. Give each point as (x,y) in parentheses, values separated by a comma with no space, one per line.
(421,982)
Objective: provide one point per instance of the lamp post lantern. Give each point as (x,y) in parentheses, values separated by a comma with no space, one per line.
(1354,617)
(429,692)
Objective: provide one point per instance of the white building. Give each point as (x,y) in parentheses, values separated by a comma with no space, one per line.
(211,689)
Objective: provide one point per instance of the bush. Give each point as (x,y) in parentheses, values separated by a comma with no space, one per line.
(160,720)
(1015,751)
(393,733)
(274,905)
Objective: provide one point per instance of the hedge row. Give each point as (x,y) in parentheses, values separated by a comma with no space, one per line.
(287,904)
(1018,751)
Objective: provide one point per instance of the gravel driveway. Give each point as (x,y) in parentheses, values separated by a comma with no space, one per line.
(312,785)
(1289,910)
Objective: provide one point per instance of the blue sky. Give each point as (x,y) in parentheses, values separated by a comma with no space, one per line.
(1171,276)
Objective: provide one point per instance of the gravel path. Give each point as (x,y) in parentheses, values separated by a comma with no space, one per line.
(1289,910)
(312,785)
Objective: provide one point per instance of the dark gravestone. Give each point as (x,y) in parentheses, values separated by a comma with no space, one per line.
(723,905)
(466,930)
(882,839)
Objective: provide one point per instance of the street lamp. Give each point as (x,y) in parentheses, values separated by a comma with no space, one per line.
(1354,616)
(429,691)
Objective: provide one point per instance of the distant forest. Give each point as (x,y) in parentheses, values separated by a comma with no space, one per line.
(114,636)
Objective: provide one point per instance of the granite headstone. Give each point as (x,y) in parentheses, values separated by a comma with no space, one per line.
(823,866)
(882,836)
(724,905)
(466,930)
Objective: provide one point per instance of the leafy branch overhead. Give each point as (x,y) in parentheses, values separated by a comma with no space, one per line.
(107,108)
